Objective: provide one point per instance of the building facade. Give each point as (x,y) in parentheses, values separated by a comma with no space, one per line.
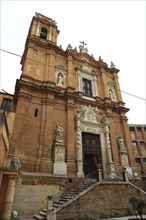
(70,119)
(138,137)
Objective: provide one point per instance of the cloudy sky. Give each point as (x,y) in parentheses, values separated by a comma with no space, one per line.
(114,30)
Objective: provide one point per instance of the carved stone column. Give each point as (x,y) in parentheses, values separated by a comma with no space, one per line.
(79,149)
(6,215)
(106,129)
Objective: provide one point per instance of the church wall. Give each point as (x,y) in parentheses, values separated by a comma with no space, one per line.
(31,194)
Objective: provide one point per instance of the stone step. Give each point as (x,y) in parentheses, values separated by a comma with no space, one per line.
(65,199)
(40,217)
(68,197)
(43,213)
(56,205)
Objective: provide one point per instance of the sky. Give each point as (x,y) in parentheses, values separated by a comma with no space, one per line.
(114,30)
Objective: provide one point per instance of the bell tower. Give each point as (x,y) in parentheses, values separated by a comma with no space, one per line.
(44,28)
(41,39)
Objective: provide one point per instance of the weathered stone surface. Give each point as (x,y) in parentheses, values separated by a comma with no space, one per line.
(105,199)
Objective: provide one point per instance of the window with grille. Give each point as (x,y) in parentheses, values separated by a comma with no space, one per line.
(6,104)
(87,87)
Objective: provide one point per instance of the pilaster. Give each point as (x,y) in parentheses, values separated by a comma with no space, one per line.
(70,151)
(70,78)
(104,87)
(6,215)
(51,62)
(79,148)
(117,88)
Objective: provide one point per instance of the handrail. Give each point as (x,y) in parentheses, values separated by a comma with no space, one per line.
(78,185)
(92,173)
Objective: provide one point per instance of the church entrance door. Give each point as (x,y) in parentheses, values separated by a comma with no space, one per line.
(91,154)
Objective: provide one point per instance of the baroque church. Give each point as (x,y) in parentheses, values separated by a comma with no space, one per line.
(70,126)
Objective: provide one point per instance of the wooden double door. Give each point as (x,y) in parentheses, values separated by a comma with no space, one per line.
(91,154)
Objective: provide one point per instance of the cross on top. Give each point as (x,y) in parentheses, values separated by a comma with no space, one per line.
(83,43)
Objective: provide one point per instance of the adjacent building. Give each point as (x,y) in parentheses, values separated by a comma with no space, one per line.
(138,137)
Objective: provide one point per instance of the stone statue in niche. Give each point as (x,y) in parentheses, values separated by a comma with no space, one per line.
(59,133)
(111,94)
(60,79)
(121,144)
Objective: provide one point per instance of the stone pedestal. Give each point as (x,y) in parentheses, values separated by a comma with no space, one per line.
(60,167)
(80,169)
(124,159)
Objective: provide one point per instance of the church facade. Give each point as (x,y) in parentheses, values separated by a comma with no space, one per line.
(67,102)
(70,118)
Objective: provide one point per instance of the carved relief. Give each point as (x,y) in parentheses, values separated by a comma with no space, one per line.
(87,113)
(85,67)
(59,154)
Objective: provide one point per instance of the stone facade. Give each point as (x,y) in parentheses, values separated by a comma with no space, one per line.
(51,90)
(60,98)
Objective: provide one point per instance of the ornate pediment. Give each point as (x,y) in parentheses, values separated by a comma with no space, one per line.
(87,113)
(85,68)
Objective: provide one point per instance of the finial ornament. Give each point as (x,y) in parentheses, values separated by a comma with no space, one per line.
(82,48)
(100,58)
(83,43)
(112,64)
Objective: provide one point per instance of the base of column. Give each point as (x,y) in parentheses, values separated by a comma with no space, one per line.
(80,174)
(80,169)
(60,168)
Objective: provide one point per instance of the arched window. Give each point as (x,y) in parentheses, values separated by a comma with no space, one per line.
(43,33)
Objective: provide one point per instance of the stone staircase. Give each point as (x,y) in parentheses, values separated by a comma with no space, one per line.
(67,197)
